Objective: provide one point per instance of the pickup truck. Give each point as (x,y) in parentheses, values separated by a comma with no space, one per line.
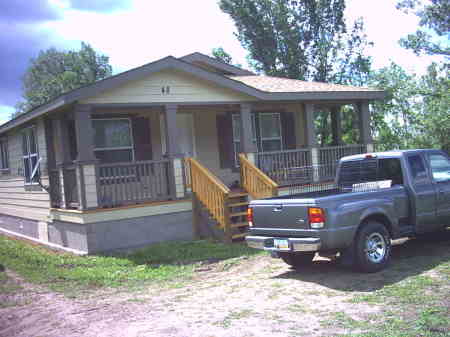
(375,198)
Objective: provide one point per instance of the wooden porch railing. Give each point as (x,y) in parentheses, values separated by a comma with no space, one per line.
(71,186)
(131,183)
(212,193)
(255,181)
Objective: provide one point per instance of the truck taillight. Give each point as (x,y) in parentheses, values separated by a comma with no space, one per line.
(316,217)
(250,216)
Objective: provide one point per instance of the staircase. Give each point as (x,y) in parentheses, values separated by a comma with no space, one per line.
(228,208)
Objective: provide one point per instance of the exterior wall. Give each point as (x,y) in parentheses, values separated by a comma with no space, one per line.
(300,124)
(182,88)
(15,200)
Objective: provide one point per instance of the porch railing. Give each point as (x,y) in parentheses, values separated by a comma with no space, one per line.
(279,165)
(296,166)
(121,184)
(55,188)
(256,182)
(211,192)
(71,186)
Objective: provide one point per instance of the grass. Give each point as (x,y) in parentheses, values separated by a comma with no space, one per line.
(172,261)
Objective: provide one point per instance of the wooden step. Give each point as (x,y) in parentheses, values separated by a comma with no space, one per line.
(239,225)
(243,203)
(237,194)
(238,236)
(233,215)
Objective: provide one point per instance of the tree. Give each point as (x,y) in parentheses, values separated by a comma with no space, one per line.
(55,72)
(432,37)
(221,55)
(306,40)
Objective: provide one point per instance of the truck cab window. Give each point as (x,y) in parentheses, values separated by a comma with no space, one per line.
(440,167)
(417,167)
(390,169)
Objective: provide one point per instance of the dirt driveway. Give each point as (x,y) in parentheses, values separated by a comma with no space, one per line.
(258,296)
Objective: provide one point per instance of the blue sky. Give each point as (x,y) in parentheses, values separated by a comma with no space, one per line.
(135,32)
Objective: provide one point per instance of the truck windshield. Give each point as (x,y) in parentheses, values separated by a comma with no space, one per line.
(372,170)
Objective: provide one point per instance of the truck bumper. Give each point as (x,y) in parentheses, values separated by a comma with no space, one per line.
(284,244)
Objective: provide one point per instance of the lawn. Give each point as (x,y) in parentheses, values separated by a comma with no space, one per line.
(172,261)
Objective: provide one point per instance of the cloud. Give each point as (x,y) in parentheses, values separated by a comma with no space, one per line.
(19,11)
(100,5)
(20,40)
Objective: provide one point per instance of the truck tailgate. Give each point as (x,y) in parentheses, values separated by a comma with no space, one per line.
(281,213)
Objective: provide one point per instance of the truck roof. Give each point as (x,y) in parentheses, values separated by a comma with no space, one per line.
(386,154)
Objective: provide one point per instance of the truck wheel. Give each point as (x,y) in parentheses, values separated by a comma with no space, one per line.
(297,260)
(372,248)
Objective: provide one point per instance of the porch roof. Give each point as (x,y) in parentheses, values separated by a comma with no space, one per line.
(286,85)
(260,88)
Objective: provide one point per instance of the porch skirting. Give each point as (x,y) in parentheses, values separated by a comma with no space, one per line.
(105,230)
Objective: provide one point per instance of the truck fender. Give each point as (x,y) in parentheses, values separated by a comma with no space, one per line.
(384,214)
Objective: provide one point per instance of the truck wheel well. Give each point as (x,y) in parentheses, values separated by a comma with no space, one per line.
(381,218)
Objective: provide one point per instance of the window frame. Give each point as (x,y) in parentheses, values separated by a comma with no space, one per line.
(117,148)
(28,181)
(256,132)
(4,155)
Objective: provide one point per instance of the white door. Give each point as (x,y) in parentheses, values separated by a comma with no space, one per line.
(185,126)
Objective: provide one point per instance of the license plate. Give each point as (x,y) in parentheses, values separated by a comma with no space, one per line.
(280,244)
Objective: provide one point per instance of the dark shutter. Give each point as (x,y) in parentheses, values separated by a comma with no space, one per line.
(225,140)
(142,138)
(288,129)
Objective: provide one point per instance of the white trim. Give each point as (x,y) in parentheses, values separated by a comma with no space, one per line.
(45,243)
(162,132)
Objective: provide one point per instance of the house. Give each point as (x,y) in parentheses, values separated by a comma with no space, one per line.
(113,165)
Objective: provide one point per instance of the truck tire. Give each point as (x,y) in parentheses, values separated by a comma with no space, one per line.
(297,260)
(372,247)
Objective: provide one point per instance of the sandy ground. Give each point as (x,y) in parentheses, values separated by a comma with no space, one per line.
(259,296)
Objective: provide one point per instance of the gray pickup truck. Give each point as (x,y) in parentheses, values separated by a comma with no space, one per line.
(376,197)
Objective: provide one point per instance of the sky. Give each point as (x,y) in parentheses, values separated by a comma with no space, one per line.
(135,32)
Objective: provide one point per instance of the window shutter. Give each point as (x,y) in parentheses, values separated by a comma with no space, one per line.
(142,138)
(288,129)
(225,140)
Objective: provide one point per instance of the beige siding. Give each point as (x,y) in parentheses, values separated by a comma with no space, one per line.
(14,199)
(183,88)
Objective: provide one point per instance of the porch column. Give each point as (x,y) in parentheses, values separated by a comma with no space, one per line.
(365,136)
(246,141)
(62,155)
(86,163)
(311,139)
(176,180)
(336,125)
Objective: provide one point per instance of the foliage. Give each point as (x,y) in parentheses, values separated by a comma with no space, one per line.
(415,112)
(221,55)
(306,40)
(171,261)
(432,37)
(55,72)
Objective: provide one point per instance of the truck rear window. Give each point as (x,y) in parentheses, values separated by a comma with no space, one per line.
(370,170)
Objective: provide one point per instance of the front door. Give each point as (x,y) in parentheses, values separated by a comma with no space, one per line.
(185,126)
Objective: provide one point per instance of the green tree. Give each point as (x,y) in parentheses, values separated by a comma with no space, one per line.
(306,40)
(221,55)
(432,36)
(55,72)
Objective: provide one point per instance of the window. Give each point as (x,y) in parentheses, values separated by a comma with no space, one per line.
(417,167)
(30,155)
(266,132)
(4,164)
(113,140)
(440,167)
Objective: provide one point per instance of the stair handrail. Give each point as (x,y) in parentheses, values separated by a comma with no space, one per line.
(212,193)
(255,181)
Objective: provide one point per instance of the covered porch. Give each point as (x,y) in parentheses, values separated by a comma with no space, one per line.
(114,155)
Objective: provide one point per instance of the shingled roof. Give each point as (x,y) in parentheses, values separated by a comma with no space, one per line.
(279,84)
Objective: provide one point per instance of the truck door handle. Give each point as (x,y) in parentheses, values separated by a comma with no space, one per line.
(278,208)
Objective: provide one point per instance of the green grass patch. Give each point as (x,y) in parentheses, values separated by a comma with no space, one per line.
(174,261)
